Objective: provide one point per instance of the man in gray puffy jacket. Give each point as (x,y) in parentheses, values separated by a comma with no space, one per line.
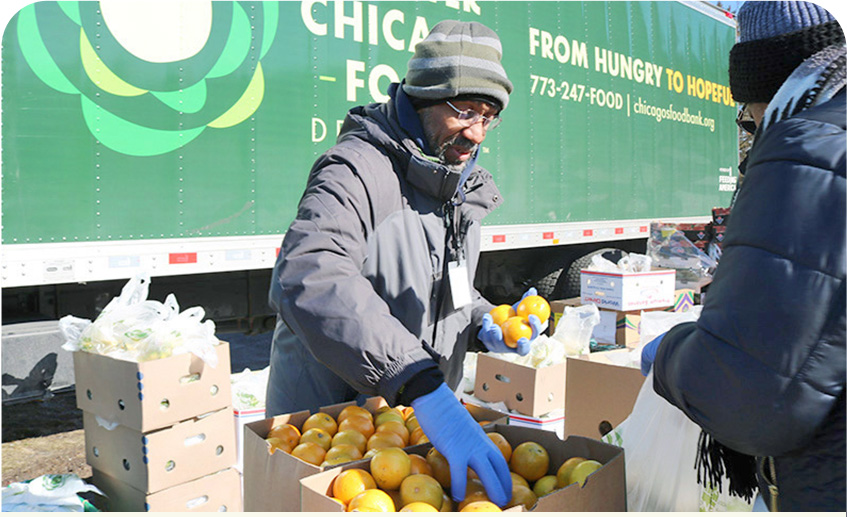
(763,370)
(374,281)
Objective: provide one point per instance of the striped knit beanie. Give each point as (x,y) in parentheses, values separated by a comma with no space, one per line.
(774,39)
(458,59)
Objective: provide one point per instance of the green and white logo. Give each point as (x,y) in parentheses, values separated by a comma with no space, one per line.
(152,76)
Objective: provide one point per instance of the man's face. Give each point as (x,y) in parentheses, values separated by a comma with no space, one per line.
(450,138)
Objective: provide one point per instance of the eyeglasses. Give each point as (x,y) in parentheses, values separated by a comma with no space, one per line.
(470,117)
(746,124)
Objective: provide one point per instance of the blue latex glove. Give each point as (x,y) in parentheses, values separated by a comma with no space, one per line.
(455,434)
(491,336)
(648,354)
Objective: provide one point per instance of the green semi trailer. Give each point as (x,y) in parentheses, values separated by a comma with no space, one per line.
(176,136)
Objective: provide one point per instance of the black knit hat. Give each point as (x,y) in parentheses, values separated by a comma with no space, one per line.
(774,39)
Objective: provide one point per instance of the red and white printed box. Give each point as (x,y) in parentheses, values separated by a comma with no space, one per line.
(622,291)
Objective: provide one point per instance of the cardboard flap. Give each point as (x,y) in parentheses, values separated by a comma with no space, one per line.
(598,394)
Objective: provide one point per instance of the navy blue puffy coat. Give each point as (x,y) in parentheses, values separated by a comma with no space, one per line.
(763,370)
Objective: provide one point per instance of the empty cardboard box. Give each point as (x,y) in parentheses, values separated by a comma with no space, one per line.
(154,461)
(217,492)
(529,391)
(152,394)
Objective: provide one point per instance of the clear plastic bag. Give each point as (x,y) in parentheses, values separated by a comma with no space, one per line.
(660,443)
(669,248)
(133,328)
(575,327)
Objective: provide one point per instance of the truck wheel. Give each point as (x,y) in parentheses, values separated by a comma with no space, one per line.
(569,283)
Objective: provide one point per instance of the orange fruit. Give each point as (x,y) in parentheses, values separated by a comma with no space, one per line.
(522,495)
(287,432)
(421,488)
(371,498)
(406,411)
(534,305)
(385,413)
(384,440)
(339,501)
(343,450)
(397,428)
(351,483)
(501,313)
(321,421)
(481,506)
(353,410)
(363,424)
(440,467)
(517,479)
(276,443)
(419,465)
(412,423)
(418,507)
(473,497)
(390,467)
(530,460)
(415,435)
(309,452)
(370,453)
(515,328)
(545,485)
(474,485)
(563,475)
(446,504)
(318,436)
(502,444)
(352,437)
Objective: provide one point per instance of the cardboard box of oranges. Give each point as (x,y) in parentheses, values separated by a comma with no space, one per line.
(591,473)
(280,451)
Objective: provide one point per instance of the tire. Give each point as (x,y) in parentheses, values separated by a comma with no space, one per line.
(569,283)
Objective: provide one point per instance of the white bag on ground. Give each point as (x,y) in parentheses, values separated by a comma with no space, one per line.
(660,444)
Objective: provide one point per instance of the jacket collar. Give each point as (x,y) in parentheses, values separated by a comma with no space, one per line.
(380,124)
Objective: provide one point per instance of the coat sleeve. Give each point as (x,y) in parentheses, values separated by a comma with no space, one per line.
(326,301)
(765,363)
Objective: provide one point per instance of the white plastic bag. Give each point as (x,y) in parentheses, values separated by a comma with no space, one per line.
(575,327)
(133,328)
(660,443)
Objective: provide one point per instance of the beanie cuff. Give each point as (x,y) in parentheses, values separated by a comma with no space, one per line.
(757,68)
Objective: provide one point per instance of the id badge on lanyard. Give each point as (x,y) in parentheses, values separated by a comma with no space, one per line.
(460,284)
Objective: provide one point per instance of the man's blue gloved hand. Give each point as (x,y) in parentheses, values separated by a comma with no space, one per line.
(648,354)
(491,336)
(455,434)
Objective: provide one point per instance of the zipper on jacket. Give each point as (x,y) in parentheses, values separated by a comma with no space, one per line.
(770,478)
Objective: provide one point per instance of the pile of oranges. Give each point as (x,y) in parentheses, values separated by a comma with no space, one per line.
(515,323)
(397,480)
(356,434)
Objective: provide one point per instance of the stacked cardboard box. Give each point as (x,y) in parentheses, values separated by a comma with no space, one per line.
(159,434)
(271,480)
